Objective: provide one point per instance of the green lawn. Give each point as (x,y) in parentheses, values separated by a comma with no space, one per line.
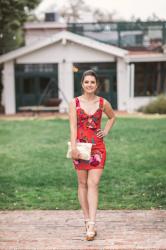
(35,174)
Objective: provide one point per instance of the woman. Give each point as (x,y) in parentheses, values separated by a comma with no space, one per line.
(85,113)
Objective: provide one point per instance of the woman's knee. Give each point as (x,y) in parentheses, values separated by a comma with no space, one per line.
(93,183)
(82,183)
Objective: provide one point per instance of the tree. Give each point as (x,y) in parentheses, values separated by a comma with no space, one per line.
(13,13)
(153,17)
(72,12)
(103,16)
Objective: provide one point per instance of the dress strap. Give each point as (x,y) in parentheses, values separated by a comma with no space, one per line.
(101,102)
(77,102)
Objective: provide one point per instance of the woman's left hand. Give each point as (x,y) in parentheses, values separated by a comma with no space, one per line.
(100,133)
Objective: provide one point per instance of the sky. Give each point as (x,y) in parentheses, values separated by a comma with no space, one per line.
(124,8)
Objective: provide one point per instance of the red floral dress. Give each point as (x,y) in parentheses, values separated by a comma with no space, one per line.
(87,126)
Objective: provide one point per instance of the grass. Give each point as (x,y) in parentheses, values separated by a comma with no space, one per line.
(35,174)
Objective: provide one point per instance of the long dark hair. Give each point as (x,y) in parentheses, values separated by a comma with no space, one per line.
(90,72)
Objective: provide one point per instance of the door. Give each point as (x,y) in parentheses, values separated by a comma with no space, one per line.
(108,88)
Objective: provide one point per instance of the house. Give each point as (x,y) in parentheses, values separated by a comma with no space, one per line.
(56,60)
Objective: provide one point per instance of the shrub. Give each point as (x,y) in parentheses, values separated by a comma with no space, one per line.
(156,106)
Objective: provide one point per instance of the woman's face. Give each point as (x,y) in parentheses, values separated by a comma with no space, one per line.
(89,84)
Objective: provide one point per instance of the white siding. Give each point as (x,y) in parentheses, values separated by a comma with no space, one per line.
(71,52)
(134,103)
(33,36)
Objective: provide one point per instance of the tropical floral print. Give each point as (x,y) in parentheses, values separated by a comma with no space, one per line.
(95,158)
(87,126)
(76,162)
(88,121)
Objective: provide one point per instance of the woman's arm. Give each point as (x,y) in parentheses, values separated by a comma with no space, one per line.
(73,129)
(111,119)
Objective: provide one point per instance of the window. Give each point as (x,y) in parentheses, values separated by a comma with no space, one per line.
(104,84)
(39,67)
(150,78)
(42,67)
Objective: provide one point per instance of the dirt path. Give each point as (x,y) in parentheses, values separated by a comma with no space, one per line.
(59,229)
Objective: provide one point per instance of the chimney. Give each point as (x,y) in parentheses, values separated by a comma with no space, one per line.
(51,17)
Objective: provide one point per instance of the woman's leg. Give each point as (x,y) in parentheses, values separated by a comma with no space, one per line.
(82,191)
(93,182)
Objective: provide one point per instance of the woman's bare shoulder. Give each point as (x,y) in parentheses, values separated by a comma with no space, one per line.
(106,104)
(105,101)
(72,101)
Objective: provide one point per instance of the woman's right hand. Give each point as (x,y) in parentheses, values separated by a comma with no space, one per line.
(75,154)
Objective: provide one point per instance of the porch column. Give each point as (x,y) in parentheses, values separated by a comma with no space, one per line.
(122,85)
(66,84)
(132,79)
(9,99)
